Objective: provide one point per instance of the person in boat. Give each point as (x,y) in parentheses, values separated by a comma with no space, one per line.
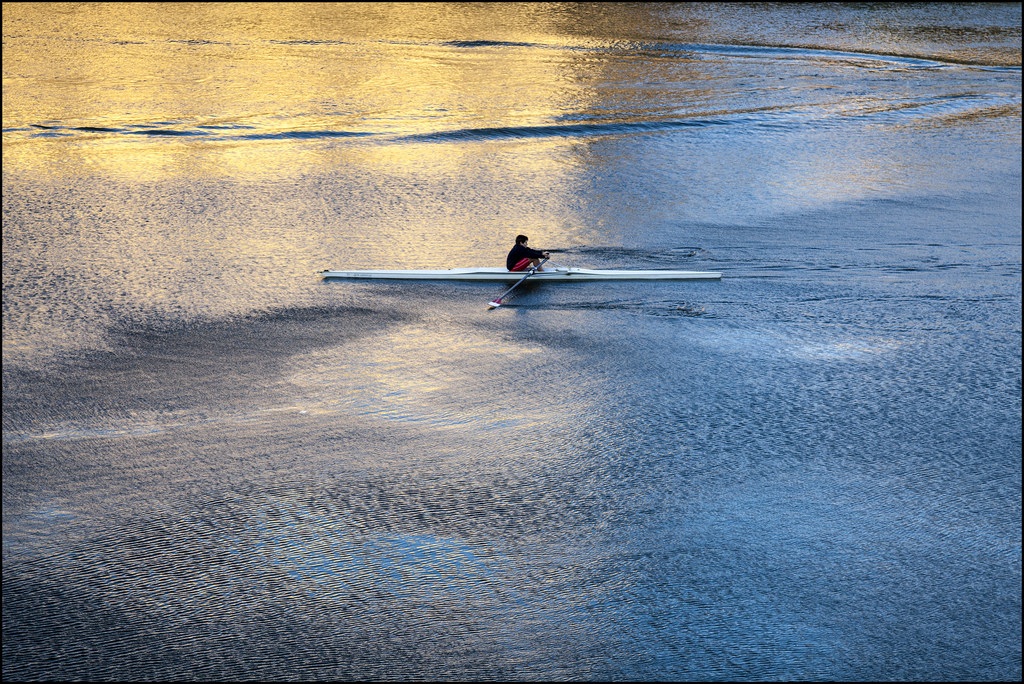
(521,257)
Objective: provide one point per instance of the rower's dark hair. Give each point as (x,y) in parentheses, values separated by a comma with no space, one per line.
(520,239)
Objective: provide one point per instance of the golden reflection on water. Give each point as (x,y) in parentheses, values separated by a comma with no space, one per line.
(209,77)
(268,92)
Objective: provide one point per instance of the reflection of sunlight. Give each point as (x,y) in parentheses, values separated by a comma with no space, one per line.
(151,94)
(810,178)
(412,375)
(848,350)
(772,344)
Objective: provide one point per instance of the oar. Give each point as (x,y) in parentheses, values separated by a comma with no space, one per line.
(495,303)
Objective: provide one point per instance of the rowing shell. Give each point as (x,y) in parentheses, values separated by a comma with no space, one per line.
(500,275)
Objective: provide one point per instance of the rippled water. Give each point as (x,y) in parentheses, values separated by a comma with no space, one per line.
(217,466)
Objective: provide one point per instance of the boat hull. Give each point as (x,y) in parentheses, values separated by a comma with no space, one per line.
(495,275)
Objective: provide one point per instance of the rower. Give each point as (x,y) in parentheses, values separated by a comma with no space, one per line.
(521,257)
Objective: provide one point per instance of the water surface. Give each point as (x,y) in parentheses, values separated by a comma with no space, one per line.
(217,466)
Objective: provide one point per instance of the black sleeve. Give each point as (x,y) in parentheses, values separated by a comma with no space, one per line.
(520,252)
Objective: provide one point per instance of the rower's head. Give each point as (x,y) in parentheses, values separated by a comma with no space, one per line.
(522,239)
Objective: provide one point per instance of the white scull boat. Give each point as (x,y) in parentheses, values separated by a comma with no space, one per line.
(500,275)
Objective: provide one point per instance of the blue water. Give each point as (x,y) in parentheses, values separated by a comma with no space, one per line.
(217,466)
